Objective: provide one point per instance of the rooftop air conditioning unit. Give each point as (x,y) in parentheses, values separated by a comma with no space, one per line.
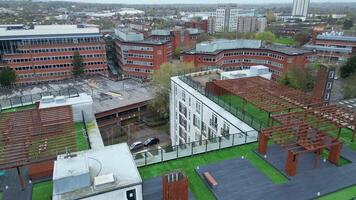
(104,181)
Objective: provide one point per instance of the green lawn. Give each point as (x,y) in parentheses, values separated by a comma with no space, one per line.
(18,108)
(42,191)
(187,165)
(82,142)
(0,195)
(345,194)
(284,41)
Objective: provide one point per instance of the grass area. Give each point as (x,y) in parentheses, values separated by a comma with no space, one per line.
(82,142)
(42,191)
(345,194)
(343,161)
(0,195)
(284,41)
(18,108)
(197,186)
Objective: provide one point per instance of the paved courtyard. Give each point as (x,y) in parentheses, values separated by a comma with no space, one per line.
(239,179)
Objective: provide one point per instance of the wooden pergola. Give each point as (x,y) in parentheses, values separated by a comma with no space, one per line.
(331,118)
(35,135)
(264,94)
(300,138)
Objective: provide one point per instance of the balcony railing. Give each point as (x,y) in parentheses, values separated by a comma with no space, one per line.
(152,156)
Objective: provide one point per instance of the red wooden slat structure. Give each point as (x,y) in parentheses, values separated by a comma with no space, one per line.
(35,135)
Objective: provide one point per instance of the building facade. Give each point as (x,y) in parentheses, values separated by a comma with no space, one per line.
(300,8)
(44,53)
(237,54)
(333,46)
(180,38)
(194,117)
(137,57)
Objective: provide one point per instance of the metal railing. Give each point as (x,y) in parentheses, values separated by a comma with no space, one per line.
(148,157)
(24,100)
(240,113)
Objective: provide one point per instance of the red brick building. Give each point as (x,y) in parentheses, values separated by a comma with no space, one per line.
(332,46)
(137,57)
(44,53)
(236,54)
(201,25)
(180,38)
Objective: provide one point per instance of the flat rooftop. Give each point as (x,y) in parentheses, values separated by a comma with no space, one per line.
(337,38)
(115,159)
(46,30)
(106,94)
(217,46)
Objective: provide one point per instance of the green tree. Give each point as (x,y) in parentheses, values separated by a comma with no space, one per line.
(270,17)
(204,37)
(162,85)
(268,37)
(7,76)
(177,53)
(350,87)
(298,78)
(302,38)
(348,23)
(348,68)
(78,65)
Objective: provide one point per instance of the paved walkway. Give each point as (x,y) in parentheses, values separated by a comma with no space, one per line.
(239,179)
(96,142)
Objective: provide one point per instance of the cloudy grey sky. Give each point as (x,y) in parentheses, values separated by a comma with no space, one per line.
(199,1)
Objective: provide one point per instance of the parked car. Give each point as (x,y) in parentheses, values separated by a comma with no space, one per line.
(136,145)
(151,141)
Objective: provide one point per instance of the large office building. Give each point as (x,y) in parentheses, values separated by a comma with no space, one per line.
(138,57)
(43,53)
(247,24)
(333,46)
(300,8)
(183,38)
(236,54)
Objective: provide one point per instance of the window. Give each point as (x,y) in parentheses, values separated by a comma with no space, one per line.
(182,109)
(331,74)
(183,95)
(197,107)
(329,85)
(196,121)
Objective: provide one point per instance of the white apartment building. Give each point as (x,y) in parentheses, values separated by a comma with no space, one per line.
(226,19)
(194,117)
(300,8)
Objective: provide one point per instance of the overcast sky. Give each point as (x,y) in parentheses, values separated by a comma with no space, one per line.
(198,1)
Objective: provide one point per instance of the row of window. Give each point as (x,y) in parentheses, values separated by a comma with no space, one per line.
(62,49)
(37,75)
(56,66)
(132,69)
(140,63)
(20,60)
(126,48)
(138,55)
(66,40)
(272,55)
(255,61)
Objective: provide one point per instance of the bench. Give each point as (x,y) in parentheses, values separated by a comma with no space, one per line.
(210,179)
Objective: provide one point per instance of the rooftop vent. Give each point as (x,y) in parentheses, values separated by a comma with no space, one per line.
(104,181)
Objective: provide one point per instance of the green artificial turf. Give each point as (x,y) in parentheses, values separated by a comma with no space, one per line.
(82,142)
(345,194)
(18,108)
(284,41)
(188,164)
(42,191)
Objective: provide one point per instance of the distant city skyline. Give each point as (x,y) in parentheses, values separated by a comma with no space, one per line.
(196,1)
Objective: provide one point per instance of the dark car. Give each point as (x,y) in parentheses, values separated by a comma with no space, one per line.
(151,141)
(136,146)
